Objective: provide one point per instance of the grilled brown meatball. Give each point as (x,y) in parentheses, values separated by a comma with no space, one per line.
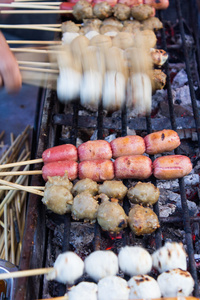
(85,207)
(102,10)
(82,10)
(146,39)
(58,199)
(113,189)
(158,79)
(142,220)
(132,26)
(141,12)
(85,29)
(59,180)
(152,23)
(95,22)
(108,28)
(159,56)
(111,216)
(144,193)
(70,26)
(121,11)
(85,185)
(114,22)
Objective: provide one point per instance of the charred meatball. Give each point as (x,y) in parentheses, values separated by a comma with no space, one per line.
(86,184)
(142,220)
(158,56)
(144,193)
(121,11)
(152,23)
(84,207)
(102,10)
(113,189)
(82,10)
(58,199)
(141,12)
(111,216)
(158,79)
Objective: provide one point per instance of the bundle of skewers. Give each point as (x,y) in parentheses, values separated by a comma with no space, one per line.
(13,201)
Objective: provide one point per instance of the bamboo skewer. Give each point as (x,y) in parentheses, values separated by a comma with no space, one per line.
(21,163)
(25,273)
(34,42)
(36,27)
(8,188)
(59,11)
(27,5)
(21,187)
(42,70)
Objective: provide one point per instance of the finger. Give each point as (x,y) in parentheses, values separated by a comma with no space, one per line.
(12,79)
(1,81)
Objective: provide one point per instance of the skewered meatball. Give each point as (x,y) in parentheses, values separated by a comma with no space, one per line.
(146,39)
(170,256)
(82,10)
(132,26)
(100,264)
(68,267)
(58,199)
(142,220)
(143,193)
(141,12)
(84,207)
(113,287)
(86,184)
(85,290)
(102,10)
(95,22)
(152,23)
(70,26)
(180,282)
(123,40)
(113,189)
(134,260)
(158,79)
(121,11)
(159,56)
(114,22)
(101,41)
(85,29)
(112,30)
(59,180)
(143,287)
(111,216)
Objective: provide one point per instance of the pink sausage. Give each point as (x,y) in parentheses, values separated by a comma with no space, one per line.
(98,149)
(133,166)
(62,152)
(131,2)
(128,145)
(59,168)
(171,167)
(157,4)
(161,141)
(97,170)
(111,2)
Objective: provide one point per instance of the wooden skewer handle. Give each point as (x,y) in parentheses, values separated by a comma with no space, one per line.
(21,187)
(7,188)
(25,273)
(21,163)
(36,172)
(59,11)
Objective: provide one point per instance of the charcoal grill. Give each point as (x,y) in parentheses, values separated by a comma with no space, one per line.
(47,234)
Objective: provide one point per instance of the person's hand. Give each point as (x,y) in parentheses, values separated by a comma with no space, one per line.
(10,76)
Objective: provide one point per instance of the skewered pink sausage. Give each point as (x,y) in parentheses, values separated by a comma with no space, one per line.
(59,168)
(157,4)
(128,145)
(133,166)
(161,141)
(171,167)
(58,153)
(98,149)
(97,170)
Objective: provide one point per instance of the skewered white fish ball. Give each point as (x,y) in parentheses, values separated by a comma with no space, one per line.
(84,291)
(134,260)
(112,288)
(90,34)
(170,256)
(68,84)
(101,263)
(175,283)
(114,90)
(68,267)
(68,37)
(143,287)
